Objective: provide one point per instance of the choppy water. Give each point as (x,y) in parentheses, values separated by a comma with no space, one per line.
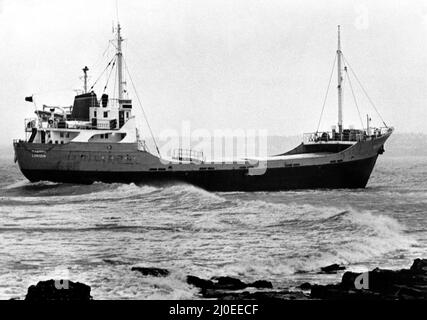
(96,233)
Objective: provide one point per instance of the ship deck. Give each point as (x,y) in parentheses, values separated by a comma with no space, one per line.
(267,158)
(293,156)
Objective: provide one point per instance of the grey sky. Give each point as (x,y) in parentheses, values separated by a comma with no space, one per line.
(220,64)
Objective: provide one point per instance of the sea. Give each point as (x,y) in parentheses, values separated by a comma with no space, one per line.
(96,233)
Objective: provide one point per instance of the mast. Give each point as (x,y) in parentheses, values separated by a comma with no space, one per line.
(85,70)
(119,62)
(339,53)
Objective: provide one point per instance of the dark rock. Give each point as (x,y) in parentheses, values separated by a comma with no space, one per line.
(385,281)
(329,291)
(226,287)
(261,284)
(419,266)
(335,292)
(200,283)
(333,268)
(229,283)
(59,290)
(154,272)
(379,284)
(411,293)
(348,279)
(258,295)
(305,286)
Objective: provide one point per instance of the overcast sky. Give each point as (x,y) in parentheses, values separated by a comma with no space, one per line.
(220,63)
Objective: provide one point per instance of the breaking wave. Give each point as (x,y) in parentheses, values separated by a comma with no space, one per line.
(43,193)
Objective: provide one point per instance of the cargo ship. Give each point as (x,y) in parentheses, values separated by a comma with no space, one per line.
(97,140)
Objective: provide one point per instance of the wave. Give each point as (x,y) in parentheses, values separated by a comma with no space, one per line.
(188,191)
(358,238)
(312,237)
(43,193)
(50,192)
(273,214)
(17,185)
(172,287)
(101,227)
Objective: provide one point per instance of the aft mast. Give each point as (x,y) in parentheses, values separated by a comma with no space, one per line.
(340,79)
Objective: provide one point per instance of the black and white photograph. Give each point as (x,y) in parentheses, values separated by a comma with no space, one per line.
(213,154)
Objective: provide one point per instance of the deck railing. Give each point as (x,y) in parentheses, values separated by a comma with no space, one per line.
(188,155)
(350,135)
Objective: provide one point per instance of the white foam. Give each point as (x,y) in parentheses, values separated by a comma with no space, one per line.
(369,236)
(17,184)
(113,191)
(191,190)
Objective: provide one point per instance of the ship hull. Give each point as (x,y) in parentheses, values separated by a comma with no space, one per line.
(352,174)
(333,165)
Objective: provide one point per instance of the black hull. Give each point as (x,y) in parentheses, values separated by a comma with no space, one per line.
(351,174)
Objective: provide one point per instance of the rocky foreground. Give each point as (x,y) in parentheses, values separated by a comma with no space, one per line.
(378,284)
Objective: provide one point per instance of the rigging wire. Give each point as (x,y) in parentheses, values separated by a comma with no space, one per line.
(108,65)
(142,108)
(95,66)
(354,97)
(364,91)
(109,75)
(327,92)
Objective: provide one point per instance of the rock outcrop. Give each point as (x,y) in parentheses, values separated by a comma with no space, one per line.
(378,284)
(305,286)
(226,283)
(271,295)
(225,288)
(333,268)
(58,290)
